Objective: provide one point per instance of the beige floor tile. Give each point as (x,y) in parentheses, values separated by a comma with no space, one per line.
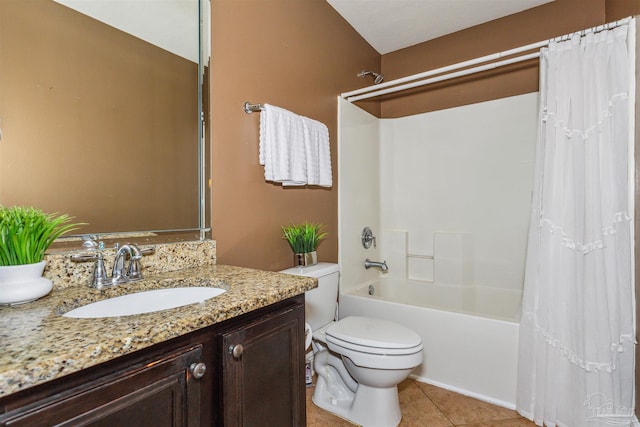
(463,410)
(517,422)
(417,409)
(424,405)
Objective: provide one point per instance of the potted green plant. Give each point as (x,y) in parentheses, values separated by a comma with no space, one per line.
(304,240)
(25,235)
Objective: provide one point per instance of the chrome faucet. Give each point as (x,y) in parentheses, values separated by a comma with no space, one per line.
(119,274)
(381,265)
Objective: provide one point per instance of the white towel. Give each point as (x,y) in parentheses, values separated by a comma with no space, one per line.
(294,149)
(318,153)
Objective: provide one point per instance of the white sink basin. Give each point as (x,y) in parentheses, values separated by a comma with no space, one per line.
(145,302)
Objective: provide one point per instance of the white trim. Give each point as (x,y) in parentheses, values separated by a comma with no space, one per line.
(631,46)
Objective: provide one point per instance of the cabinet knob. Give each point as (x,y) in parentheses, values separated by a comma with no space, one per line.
(198,370)
(236,350)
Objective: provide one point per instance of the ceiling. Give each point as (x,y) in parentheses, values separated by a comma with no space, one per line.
(389,25)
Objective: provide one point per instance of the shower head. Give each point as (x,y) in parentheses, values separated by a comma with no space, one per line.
(377,78)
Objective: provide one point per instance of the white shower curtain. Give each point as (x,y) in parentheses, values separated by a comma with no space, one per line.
(576,334)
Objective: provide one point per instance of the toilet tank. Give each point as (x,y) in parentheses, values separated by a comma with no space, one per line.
(321,302)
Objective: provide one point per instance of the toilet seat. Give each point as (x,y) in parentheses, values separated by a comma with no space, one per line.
(374,335)
(374,350)
(375,343)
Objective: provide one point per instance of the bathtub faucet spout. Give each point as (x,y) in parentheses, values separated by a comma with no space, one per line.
(381,265)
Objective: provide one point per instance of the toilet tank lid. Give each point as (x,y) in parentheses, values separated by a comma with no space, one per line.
(318,270)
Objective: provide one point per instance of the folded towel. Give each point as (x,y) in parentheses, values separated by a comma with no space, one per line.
(318,153)
(282,149)
(294,149)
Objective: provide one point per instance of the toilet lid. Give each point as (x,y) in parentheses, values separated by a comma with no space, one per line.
(375,333)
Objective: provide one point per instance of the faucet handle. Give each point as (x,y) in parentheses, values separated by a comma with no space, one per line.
(368,238)
(83,257)
(100,278)
(148,251)
(134,272)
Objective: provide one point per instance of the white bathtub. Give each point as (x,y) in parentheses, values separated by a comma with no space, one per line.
(470,334)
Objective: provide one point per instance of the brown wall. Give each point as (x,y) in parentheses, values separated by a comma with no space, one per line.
(533,25)
(300,55)
(295,54)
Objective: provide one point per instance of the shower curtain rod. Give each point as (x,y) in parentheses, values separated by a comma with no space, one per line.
(392,86)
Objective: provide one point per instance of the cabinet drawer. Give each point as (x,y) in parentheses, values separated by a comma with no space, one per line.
(162,392)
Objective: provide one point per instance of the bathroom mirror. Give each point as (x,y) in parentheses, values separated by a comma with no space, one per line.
(101,108)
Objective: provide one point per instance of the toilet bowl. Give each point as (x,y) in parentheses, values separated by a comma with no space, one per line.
(359,361)
(378,355)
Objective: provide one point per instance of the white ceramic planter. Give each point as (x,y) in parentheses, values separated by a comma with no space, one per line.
(23,283)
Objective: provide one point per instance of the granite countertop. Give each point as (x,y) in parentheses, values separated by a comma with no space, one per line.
(39,345)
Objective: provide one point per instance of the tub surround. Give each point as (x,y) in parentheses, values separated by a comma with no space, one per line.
(40,345)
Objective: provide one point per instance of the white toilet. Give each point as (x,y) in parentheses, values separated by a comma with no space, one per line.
(366,358)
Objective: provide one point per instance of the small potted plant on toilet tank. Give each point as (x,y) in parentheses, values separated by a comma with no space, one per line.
(304,240)
(25,235)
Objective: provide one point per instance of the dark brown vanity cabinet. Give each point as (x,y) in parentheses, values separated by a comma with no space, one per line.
(188,381)
(160,392)
(263,371)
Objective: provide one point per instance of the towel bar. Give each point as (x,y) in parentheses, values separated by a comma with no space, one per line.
(253,108)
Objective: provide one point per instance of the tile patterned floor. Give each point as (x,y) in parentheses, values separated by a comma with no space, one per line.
(424,405)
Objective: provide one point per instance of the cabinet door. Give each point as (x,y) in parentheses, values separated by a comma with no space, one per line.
(263,371)
(162,392)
